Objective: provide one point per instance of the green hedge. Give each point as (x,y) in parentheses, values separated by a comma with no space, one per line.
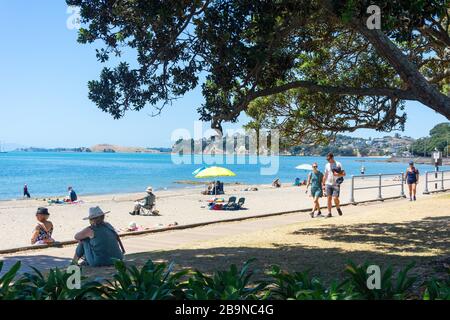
(158,281)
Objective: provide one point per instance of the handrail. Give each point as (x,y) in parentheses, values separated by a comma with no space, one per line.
(379,186)
(436,181)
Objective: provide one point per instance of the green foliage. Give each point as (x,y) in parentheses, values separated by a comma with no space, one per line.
(438,139)
(315,52)
(232,284)
(391,288)
(437,290)
(54,286)
(151,282)
(158,281)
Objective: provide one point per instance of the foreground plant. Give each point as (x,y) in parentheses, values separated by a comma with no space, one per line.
(158,281)
(231,284)
(151,282)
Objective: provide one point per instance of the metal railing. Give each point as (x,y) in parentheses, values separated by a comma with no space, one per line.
(379,185)
(440,177)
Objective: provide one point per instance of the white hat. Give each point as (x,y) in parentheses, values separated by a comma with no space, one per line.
(149,189)
(95,212)
(132,225)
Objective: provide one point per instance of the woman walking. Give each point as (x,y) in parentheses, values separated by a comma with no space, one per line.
(412,179)
(315,181)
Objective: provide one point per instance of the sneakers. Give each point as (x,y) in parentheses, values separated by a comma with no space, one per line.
(339,211)
(329,215)
(312,214)
(319,214)
(414,198)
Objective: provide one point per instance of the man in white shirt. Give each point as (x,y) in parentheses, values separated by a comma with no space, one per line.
(332,180)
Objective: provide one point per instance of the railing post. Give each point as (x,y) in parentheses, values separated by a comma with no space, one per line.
(426,183)
(402,193)
(352,190)
(442,181)
(379,187)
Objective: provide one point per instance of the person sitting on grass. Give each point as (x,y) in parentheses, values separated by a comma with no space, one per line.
(147,202)
(43,231)
(99,244)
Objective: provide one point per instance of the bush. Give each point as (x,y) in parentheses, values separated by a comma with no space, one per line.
(158,281)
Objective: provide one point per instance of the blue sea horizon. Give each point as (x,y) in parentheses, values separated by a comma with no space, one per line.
(48,174)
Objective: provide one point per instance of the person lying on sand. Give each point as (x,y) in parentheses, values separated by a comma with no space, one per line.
(43,232)
(276,183)
(99,244)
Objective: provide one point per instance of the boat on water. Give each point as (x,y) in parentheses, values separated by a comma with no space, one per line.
(1,149)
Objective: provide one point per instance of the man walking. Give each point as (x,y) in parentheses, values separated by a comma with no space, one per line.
(332,179)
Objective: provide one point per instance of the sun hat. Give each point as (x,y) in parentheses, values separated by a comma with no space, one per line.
(149,189)
(42,210)
(95,212)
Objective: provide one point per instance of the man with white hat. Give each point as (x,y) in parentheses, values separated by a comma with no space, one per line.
(99,244)
(147,202)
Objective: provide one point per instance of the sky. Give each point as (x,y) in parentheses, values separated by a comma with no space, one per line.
(43,89)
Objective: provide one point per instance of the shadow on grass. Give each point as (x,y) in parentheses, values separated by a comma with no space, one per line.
(416,236)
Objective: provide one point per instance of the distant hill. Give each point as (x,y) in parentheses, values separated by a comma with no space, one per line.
(106,148)
(120,149)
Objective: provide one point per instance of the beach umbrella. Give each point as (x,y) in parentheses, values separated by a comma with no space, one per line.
(214,172)
(304,166)
(195,172)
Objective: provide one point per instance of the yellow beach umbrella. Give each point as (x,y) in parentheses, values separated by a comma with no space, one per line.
(213,172)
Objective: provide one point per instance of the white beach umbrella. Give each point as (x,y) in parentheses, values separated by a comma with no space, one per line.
(304,166)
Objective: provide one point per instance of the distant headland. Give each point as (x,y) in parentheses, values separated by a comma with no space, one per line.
(99,148)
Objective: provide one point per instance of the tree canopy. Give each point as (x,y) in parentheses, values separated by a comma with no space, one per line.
(307,66)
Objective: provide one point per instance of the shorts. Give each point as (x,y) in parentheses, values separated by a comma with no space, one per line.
(333,190)
(316,192)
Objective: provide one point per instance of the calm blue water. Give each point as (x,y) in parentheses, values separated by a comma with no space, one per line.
(49,174)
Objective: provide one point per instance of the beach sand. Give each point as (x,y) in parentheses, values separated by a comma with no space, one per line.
(183,206)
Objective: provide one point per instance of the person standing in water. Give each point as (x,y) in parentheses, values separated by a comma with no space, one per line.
(315,181)
(26,193)
(412,179)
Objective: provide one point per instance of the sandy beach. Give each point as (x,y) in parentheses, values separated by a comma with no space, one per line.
(183,206)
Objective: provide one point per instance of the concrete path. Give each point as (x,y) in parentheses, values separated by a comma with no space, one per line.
(60,257)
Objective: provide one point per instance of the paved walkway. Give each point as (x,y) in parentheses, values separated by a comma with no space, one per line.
(60,257)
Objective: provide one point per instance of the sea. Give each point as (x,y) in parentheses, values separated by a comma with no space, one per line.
(48,174)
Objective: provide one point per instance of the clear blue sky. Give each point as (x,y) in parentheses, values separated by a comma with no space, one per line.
(43,89)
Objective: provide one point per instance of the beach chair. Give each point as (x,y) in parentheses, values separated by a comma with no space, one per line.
(237,206)
(147,211)
(231,202)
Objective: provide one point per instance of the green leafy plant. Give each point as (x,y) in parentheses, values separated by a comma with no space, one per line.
(437,290)
(54,286)
(151,282)
(390,287)
(7,290)
(231,284)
